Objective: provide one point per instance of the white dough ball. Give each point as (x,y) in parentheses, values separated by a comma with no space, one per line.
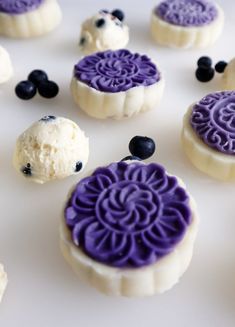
(52,148)
(101,32)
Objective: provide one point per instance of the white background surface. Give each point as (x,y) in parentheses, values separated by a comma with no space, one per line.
(43,290)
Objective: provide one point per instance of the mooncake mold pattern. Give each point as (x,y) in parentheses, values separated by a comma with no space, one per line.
(128,229)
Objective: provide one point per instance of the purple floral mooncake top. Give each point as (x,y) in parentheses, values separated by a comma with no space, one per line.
(213,120)
(128,215)
(116,71)
(14,7)
(187,13)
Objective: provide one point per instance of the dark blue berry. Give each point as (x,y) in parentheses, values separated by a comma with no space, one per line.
(130,158)
(118,14)
(78,166)
(204,62)
(25,90)
(142,147)
(220,66)
(48,89)
(47,118)
(37,76)
(204,74)
(82,40)
(27,170)
(100,22)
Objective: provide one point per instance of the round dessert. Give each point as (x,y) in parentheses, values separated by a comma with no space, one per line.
(103,31)
(129,228)
(186,23)
(28,18)
(52,148)
(208,135)
(3,281)
(116,84)
(6,70)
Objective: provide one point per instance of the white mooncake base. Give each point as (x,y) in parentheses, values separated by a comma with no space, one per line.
(145,281)
(117,105)
(211,162)
(32,23)
(167,34)
(3,281)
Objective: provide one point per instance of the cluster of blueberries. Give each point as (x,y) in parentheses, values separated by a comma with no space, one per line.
(119,14)
(205,70)
(37,81)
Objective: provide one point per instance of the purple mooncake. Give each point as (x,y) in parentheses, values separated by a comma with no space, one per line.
(28,18)
(209,133)
(116,84)
(129,228)
(186,23)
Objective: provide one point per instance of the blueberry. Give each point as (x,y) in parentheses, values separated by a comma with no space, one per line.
(27,170)
(142,147)
(100,22)
(78,166)
(204,62)
(220,66)
(118,14)
(37,76)
(47,118)
(25,90)
(130,158)
(82,40)
(48,89)
(204,74)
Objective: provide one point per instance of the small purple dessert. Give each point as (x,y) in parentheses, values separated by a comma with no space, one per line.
(132,226)
(213,120)
(116,84)
(28,18)
(186,23)
(209,135)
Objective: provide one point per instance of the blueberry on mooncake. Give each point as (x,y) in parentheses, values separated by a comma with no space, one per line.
(128,229)
(208,135)
(28,18)
(186,23)
(116,84)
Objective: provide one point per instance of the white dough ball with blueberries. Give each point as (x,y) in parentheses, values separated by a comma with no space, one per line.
(52,148)
(104,31)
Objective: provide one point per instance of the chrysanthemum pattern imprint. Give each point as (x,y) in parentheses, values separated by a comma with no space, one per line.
(116,71)
(213,120)
(128,215)
(187,12)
